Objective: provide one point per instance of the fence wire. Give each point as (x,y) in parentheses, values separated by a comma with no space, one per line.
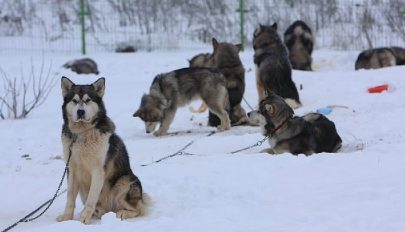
(54,25)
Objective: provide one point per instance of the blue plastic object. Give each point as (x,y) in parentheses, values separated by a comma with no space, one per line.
(324,110)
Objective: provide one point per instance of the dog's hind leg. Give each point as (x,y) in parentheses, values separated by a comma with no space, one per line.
(128,197)
(73,189)
(222,114)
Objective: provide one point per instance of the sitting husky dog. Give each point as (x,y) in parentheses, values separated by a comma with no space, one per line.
(178,88)
(312,133)
(99,166)
(300,42)
(273,67)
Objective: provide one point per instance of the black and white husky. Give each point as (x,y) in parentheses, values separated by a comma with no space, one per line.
(99,168)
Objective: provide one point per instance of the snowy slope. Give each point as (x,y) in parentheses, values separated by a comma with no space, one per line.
(360,189)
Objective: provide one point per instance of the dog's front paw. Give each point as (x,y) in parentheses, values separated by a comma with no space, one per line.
(125,214)
(85,216)
(159,133)
(64,217)
(224,128)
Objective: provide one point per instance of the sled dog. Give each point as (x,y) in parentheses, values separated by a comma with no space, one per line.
(82,66)
(300,42)
(376,58)
(311,133)
(178,88)
(273,67)
(99,168)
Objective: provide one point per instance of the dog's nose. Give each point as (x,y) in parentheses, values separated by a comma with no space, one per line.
(248,114)
(80,113)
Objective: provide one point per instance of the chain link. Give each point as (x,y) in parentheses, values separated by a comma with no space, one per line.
(258,143)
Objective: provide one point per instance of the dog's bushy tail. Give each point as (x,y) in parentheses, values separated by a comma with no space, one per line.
(143,206)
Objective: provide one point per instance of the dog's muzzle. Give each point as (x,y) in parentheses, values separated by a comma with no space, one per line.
(81,114)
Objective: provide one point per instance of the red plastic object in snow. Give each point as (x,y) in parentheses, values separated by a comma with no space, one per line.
(378,89)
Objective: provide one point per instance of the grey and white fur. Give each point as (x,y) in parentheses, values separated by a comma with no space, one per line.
(82,66)
(178,88)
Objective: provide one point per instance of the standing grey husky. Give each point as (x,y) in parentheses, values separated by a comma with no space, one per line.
(99,166)
(178,88)
(312,133)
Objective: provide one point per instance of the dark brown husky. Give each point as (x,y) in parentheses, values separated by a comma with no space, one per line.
(226,60)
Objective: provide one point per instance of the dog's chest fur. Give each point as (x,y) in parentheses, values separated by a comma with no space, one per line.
(89,153)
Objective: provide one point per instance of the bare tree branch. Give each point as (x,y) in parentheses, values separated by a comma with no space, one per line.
(17,91)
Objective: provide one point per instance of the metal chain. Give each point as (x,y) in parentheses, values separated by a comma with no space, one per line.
(258,143)
(50,201)
(247,103)
(179,152)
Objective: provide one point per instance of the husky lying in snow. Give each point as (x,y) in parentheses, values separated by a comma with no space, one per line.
(312,133)
(82,66)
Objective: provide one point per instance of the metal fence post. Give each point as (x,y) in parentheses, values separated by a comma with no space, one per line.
(242,24)
(82,13)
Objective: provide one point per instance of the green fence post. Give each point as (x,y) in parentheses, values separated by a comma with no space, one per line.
(82,13)
(242,23)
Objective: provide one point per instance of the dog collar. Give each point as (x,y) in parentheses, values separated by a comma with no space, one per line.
(279,126)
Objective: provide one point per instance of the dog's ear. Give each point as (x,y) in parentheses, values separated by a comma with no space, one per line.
(274,26)
(66,85)
(214,43)
(269,108)
(258,30)
(99,86)
(137,113)
(239,46)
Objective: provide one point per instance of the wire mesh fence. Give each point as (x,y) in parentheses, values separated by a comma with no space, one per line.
(54,25)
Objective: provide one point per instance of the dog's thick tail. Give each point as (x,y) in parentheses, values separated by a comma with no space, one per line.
(143,206)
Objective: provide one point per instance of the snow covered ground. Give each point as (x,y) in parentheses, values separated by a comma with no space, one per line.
(359,189)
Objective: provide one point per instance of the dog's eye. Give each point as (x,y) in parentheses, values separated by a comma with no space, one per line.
(75,101)
(87,100)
